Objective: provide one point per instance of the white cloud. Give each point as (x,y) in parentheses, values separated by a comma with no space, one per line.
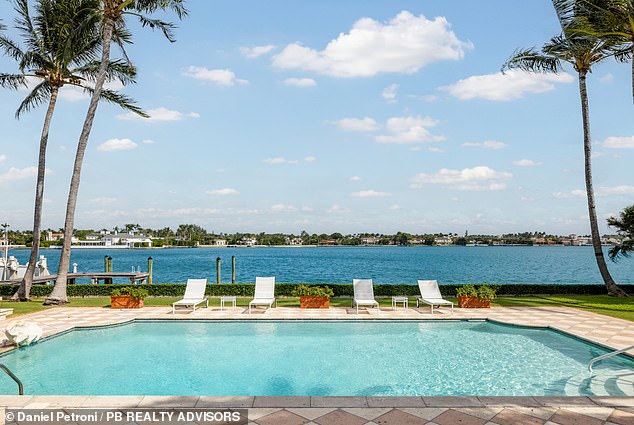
(357,124)
(283,208)
(409,130)
(220,77)
(300,82)
(279,160)
(403,45)
(394,207)
(504,87)
(389,93)
(159,114)
(473,179)
(3,158)
(148,142)
(487,144)
(355,178)
(256,51)
(223,192)
(607,78)
(310,158)
(435,150)
(615,191)
(368,194)
(117,145)
(525,163)
(14,174)
(577,193)
(337,209)
(616,142)
(103,200)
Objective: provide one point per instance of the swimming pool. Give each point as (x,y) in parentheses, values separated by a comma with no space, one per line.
(357,358)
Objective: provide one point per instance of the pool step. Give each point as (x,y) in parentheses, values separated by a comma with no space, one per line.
(4,312)
(617,382)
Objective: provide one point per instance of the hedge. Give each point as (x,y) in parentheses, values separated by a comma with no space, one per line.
(340,290)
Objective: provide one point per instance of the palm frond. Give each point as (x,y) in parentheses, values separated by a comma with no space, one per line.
(10,48)
(533,61)
(12,81)
(120,99)
(115,70)
(166,27)
(40,94)
(152,6)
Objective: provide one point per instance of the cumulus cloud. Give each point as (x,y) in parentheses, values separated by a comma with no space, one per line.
(409,130)
(614,142)
(577,193)
(501,87)
(256,51)
(405,44)
(389,93)
(355,178)
(487,144)
(300,82)
(220,77)
(310,158)
(14,174)
(472,179)
(117,145)
(148,142)
(434,149)
(159,114)
(3,158)
(394,207)
(368,194)
(223,192)
(337,209)
(279,160)
(616,190)
(357,124)
(525,163)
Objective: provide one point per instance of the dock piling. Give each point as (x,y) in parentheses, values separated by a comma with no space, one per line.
(149,270)
(233,269)
(218,261)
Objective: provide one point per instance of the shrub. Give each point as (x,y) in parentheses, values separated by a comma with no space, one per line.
(466,291)
(314,291)
(134,292)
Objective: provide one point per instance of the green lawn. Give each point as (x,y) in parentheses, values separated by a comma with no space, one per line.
(602,304)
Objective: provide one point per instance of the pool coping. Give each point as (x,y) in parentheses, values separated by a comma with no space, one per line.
(253,402)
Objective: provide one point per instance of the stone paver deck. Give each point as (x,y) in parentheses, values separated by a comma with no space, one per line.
(609,332)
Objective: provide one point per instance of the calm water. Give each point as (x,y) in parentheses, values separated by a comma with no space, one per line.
(342,264)
(314,358)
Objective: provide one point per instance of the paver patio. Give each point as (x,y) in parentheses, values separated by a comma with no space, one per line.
(607,331)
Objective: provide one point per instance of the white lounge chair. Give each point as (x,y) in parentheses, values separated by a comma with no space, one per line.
(363,294)
(264,292)
(430,294)
(194,294)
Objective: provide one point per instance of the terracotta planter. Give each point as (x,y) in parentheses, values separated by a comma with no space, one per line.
(473,302)
(125,301)
(312,301)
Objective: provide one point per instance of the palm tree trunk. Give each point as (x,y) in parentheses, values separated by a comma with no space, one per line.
(611,286)
(59,294)
(24,291)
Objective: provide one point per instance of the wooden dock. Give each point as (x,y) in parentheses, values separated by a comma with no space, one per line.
(95,278)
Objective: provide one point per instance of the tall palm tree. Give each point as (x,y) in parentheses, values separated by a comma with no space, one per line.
(613,20)
(582,51)
(61,42)
(113,14)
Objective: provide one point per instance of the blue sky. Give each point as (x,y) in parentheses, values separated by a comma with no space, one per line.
(331,116)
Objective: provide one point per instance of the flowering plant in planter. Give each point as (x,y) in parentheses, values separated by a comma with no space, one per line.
(128,297)
(471,297)
(313,296)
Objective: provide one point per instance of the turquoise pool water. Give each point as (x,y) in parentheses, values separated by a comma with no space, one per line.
(382,358)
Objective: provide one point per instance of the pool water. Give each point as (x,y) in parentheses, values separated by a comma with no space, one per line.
(317,358)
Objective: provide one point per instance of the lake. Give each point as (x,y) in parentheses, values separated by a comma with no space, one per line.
(384,264)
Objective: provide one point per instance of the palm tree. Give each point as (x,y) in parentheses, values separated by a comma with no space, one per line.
(113,13)
(61,42)
(582,51)
(612,20)
(625,227)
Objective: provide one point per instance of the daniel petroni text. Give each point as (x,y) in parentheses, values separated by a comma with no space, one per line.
(139,416)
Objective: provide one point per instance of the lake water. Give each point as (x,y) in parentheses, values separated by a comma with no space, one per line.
(497,264)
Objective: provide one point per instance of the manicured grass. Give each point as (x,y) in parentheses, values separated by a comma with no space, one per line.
(622,308)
